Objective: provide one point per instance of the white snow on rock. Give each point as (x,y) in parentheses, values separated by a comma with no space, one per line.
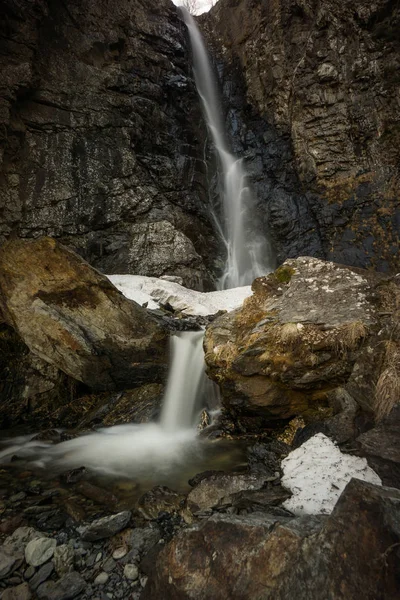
(156,291)
(317,473)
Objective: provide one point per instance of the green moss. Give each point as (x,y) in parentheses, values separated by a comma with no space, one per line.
(284,274)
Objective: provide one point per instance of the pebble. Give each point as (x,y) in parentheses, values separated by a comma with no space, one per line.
(21,537)
(41,576)
(98,557)
(19,592)
(7,562)
(105,527)
(39,551)
(119,552)
(64,559)
(131,572)
(109,565)
(30,571)
(101,579)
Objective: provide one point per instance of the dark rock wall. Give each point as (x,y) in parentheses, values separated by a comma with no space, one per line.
(102,136)
(313,88)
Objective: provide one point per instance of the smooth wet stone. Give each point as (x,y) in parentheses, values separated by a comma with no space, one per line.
(19,592)
(42,575)
(8,561)
(65,588)
(109,565)
(63,559)
(101,578)
(131,572)
(21,536)
(119,552)
(39,551)
(30,571)
(105,527)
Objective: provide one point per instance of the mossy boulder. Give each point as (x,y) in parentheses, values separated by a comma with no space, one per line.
(305,332)
(72,317)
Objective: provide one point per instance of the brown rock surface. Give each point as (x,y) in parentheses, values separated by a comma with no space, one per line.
(72,317)
(351,554)
(304,333)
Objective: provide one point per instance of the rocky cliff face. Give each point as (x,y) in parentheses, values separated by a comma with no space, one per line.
(313,94)
(102,136)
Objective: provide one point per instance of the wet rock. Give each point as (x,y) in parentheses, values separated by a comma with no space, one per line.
(261,556)
(216,489)
(265,458)
(143,539)
(105,527)
(8,561)
(8,526)
(63,559)
(39,551)
(381,447)
(158,500)
(99,495)
(21,537)
(119,552)
(131,572)
(19,592)
(29,573)
(101,578)
(65,588)
(257,500)
(74,475)
(61,298)
(304,333)
(42,575)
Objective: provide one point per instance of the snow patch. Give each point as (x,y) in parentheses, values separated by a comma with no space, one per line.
(156,291)
(317,473)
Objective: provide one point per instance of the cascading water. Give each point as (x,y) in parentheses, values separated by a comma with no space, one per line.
(149,450)
(248,253)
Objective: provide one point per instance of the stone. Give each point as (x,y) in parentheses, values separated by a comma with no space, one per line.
(219,488)
(42,575)
(310,329)
(21,537)
(381,447)
(119,552)
(261,556)
(101,578)
(39,551)
(65,588)
(63,559)
(159,499)
(19,592)
(97,336)
(105,527)
(8,561)
(30,571)
(131,572)
(143,539)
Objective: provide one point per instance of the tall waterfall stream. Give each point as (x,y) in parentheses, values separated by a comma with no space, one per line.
(170,451)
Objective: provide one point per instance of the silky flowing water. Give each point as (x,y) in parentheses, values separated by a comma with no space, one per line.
(170,451)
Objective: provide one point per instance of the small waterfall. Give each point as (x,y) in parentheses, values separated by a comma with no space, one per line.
(248,252)
(185,377)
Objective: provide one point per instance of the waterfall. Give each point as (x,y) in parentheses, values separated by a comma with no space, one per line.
(184,380)
(248,252)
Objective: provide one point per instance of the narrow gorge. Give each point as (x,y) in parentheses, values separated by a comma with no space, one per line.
(199,300)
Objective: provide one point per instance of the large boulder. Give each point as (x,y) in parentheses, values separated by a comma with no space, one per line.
(310,328)
(353,553)
(72,317)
